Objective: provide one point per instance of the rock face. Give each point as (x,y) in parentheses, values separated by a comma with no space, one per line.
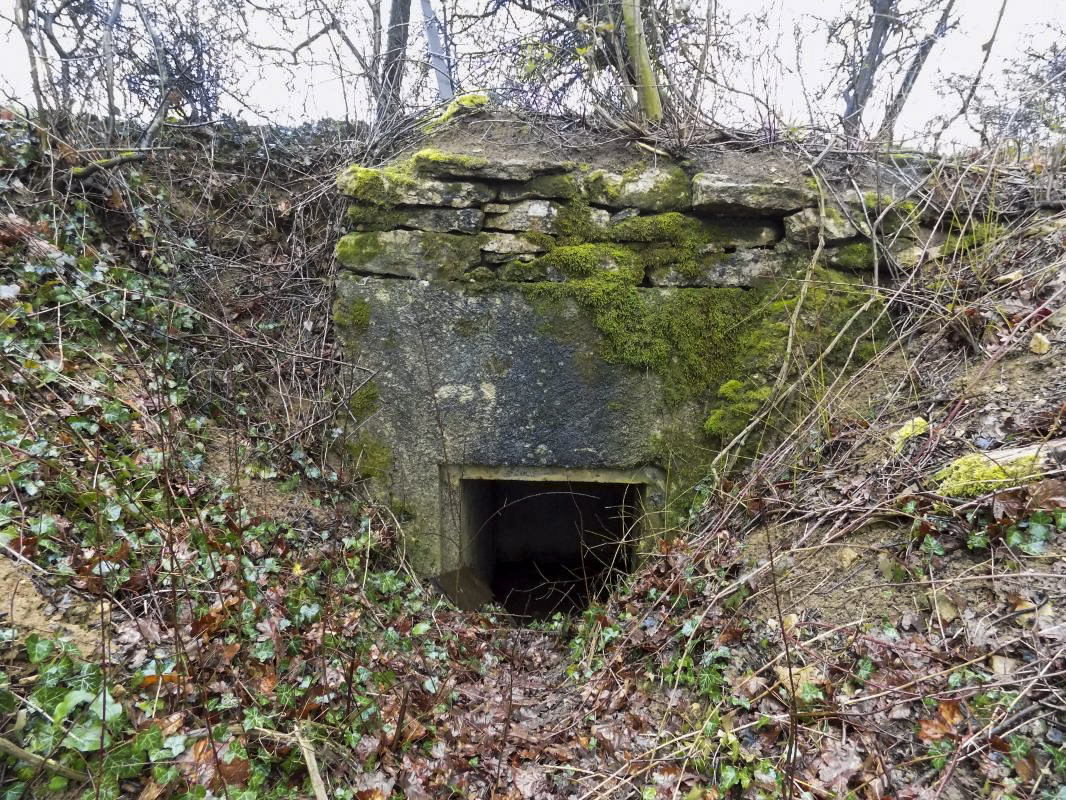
(527,318)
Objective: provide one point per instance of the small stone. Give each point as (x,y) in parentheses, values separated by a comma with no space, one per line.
(804,226)
(625,213)
(848,556)
(496,208)
(528,215)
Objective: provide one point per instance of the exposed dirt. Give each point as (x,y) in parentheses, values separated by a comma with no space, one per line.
(24,609)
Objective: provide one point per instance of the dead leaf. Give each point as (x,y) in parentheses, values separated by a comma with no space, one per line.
(151,790)
(848,556)
(530,781)
(1039,345)
(1001,665)
(839,763)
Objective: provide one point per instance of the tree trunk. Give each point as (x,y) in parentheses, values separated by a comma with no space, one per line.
(861,86)
(648,99)
(438,59)
(395,52)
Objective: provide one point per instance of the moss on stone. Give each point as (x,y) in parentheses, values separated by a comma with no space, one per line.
(371,457)
(364,401)
(585,260)
(737,402)
(673,192)
(562,187)
(857,256)
(352,313)
(669,227)
(453,252)
(357,249)
(574,223)
(377,186)
(372,217)
(464,103)
(538,239)
(977,474)
(438,162)
(971,236)
(692,338)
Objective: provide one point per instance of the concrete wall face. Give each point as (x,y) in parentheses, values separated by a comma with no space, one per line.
(526,320)
(476,379)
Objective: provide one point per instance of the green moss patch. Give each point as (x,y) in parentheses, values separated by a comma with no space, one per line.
(375,186)
(356,249)
(372,218)
(464,103)
(855,256)
(977,474)
(370,456)
(585,260)
(364,401)
(438,162)
(352,313)
(969,237)
(737,402)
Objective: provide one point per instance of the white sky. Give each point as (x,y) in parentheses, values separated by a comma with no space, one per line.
(317,93)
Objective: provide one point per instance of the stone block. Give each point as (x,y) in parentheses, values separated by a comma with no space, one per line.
(442,220)
(419,255)
(648,189)
(803,227)
(501,247)
(742,269)
(534,216)
(722,194)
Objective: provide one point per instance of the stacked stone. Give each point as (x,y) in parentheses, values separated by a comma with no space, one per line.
(445,216)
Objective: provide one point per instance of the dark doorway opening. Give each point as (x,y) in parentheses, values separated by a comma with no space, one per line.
(549,546)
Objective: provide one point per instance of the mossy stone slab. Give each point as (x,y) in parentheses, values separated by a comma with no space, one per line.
(742,269)
(664,188)
(804,227)
(420,255)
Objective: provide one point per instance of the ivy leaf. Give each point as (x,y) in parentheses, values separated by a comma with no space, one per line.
(87,736)
(73,699)
(38,649)
(420,629)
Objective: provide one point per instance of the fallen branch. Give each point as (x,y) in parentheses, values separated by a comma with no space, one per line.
(317,784)
(15,751)
(81,173)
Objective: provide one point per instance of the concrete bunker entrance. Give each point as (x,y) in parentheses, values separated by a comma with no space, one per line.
(543,542)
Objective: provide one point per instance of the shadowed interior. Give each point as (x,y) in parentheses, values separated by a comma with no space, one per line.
(548,546)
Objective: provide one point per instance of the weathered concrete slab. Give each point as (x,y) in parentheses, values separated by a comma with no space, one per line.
(465,378)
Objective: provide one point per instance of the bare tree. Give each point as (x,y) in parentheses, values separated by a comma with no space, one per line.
(395,57)
(895,108)
(863,73)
